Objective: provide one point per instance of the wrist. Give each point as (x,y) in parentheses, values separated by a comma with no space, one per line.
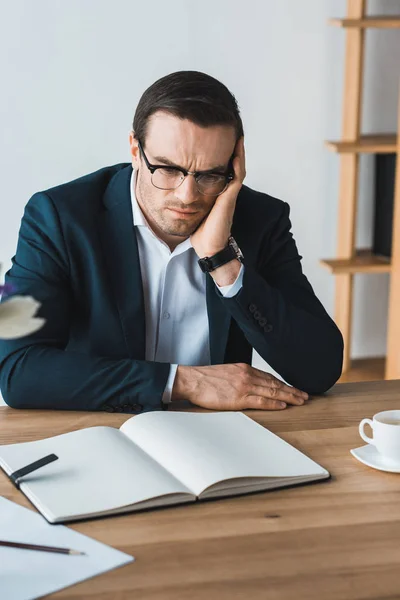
(184,383)
(203,252)
(230,252)
(227,273)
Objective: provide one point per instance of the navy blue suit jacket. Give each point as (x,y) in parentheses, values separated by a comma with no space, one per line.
(77,254)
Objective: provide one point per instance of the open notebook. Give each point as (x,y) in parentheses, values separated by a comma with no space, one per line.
(156,459)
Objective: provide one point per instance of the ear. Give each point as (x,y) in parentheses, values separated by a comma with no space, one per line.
(135,152)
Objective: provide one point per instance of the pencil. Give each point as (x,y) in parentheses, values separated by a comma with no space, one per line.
(40,548)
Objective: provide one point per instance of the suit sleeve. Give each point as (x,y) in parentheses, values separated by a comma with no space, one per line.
(37,371)
(282,318)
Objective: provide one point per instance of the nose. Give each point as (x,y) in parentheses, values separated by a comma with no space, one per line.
(187,192)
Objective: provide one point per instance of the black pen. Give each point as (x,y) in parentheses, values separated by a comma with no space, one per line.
(40,548)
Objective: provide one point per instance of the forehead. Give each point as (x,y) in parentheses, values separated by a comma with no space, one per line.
(184,142)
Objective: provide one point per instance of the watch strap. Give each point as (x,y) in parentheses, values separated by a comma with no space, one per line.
(230,252)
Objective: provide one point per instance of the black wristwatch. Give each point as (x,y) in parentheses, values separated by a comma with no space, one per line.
(230,252)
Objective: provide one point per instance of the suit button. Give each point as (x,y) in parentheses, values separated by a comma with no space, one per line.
(262,321)
(252,308)
(268,328)
(257,315)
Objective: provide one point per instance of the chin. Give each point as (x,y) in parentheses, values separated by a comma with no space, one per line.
(181,230)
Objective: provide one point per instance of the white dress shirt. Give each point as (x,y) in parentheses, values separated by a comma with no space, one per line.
(174,289)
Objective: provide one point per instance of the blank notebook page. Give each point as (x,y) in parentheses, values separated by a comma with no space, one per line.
(203,449)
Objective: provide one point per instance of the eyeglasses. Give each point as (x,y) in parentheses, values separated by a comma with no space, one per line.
(169,178)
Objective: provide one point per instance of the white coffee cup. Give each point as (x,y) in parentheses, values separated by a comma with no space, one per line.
(385,427)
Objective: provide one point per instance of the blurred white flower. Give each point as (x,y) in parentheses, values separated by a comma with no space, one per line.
(17,317)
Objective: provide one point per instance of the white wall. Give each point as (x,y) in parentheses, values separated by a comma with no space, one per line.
(72,73)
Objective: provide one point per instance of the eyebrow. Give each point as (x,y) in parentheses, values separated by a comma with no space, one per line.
(220,168)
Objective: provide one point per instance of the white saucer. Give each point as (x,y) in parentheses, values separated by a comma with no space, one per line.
(370,456)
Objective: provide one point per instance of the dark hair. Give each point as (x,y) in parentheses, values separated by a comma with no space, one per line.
(188,95)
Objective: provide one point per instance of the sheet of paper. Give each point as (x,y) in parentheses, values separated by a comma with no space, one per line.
(27,574)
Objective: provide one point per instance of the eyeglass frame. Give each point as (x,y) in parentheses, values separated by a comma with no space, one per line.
(229,175)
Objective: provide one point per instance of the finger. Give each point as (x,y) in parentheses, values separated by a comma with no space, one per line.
(274,386)
(276,393)
(261,403)
(269,379)
(239,162)
(237,171)
(239,146)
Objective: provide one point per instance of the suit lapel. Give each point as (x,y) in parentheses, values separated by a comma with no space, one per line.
(121,254)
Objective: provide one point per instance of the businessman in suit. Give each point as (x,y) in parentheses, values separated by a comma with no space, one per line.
(157,277)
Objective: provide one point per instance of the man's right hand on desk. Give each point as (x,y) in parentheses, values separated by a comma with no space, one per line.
(233,387)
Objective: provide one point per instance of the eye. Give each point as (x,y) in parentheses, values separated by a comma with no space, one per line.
(211,179)
(169,172)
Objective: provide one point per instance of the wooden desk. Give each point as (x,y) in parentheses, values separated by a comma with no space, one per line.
(338,539)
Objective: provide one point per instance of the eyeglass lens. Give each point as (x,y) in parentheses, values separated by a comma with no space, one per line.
(169,179)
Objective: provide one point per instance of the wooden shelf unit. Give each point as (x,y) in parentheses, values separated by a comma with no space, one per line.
(376,21)
(350,261)
(362,262)
(365,369)
(367,144)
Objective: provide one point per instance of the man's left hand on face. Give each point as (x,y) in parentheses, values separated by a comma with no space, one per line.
(213,233)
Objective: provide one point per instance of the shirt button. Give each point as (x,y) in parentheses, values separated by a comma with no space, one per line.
(166,315)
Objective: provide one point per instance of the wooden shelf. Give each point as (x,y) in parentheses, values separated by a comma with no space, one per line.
(350,146)
(363,262)
(376,143)
(365,369)
(376,21)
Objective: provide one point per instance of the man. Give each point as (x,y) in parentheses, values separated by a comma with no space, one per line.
(157,281)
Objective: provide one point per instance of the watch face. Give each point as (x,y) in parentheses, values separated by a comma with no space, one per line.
(233,243)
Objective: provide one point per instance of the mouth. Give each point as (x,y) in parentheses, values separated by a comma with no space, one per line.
(182,214)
